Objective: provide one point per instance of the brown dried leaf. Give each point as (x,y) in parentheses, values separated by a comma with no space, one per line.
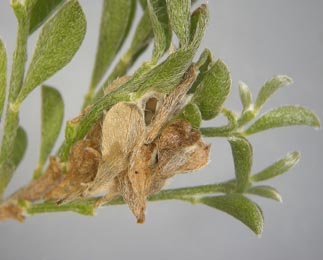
(11,210)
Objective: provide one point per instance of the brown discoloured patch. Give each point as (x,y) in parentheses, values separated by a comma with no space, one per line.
(11,210)
(133,151)
(82,167)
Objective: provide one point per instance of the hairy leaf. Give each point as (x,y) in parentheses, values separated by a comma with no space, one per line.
(238,207)
(19,147)
(266,192)
(40,11)
(161,27)
(179,16)
(116,19)
(204,62)
(58,41)
(245,96)
(284,116)
(3,75)
(270,88)
(166,75)
(142,37)
(52,114)
(242,157)
(192,114)
(278,168)
(213,90)
(199,21)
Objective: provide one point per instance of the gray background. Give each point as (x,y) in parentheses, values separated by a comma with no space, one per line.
(257,39)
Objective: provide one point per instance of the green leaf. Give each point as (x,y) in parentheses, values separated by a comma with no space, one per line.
(266,192)
(192,114)
(40,12)
(142,37)
(19,147)
(180,16)
(284,116)
(143,3)
(270,88)
(58,41)
(166,75)
(116,18)
(283,165)
(238,207)
(3,75)
(52,114)
(199,21)
(204,62)
(245,96)
(161,27)
(242,157)
(213,90)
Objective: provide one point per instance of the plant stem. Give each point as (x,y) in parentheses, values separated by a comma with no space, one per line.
(11,122)
(86,207)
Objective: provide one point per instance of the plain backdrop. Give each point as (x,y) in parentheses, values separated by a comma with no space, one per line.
(257,40)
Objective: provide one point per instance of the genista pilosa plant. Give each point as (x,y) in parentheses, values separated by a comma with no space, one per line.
(135,131)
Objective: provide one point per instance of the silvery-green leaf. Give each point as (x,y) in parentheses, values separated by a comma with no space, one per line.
(19,147)
(213,90)
(40,11)
(199,21)
(116,18)
(192,114)
(161,27)
(180,16)
(238,207)
(266,192)
(284,116)
(3,75)
(270,88)
(166,75)
(142,37)
(52,113)
(143,3)
(203,64)
(245,96)
(58,41)
(277,168)
(242,156)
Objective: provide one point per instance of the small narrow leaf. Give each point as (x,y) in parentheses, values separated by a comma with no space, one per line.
(116,17)
(266,192)
(161,27)
(283,165)
(143,3)
(242,157)
(199,21)
(204,63)
(180,16)
(20,146)
(3,75)
(52,114)
(270,88)
(245,96)
(40,11)
(58,41)
(192,114)
(213,90)
(284,116)
(142,37)
(238,207)
(166,75)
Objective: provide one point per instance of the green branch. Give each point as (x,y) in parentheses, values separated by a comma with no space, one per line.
(11,122)
(86,207)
